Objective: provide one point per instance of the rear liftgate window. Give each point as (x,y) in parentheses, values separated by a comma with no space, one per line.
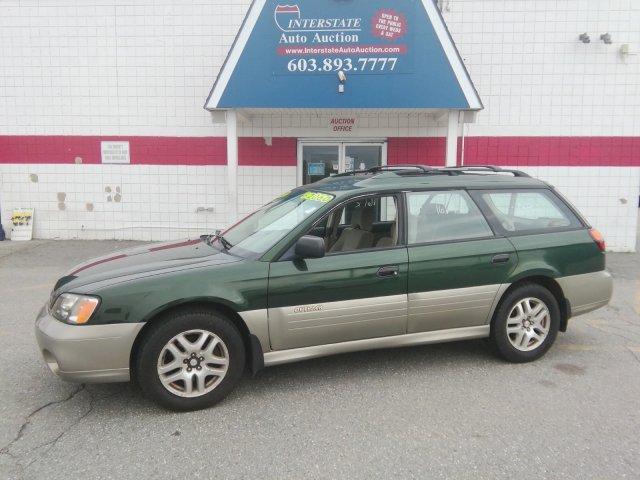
(530,211)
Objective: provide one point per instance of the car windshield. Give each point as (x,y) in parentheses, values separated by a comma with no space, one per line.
(260,231)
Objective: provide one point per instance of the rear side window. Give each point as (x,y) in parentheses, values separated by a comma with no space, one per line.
(444,216)
(529,210)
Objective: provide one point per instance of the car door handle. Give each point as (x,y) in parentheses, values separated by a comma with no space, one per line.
(386,272)
(502,258)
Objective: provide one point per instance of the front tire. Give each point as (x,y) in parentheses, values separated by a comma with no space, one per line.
(190,360)
(526,324)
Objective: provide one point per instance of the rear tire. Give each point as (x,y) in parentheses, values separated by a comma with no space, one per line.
(190,360)
(525,324)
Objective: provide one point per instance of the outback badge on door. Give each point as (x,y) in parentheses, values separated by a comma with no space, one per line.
(308,309)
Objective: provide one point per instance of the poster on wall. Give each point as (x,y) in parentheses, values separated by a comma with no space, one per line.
(317,169)
(22,224)
(349,164)
(115,153)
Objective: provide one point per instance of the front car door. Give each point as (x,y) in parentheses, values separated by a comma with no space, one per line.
(457,266)
(357,291)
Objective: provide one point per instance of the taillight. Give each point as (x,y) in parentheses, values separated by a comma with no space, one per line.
(598,238)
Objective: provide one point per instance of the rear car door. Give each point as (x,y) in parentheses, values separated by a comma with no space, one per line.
(457,265)
(357,291)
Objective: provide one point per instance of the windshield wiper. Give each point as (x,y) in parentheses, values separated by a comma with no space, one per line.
(225,243)
(209,239)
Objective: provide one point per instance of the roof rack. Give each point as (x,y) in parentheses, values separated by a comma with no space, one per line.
(488,169)
(411,170)
(400,170)
(408,170)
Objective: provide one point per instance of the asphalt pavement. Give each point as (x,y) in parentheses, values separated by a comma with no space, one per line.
(443,411)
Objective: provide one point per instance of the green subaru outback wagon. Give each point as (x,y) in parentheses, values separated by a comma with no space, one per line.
(390,257)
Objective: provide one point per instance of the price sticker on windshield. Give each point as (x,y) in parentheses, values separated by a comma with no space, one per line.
(317,197)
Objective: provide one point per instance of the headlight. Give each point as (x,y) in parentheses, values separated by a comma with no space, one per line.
(74,309)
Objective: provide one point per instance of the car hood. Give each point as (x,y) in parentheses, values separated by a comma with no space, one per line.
(144,260)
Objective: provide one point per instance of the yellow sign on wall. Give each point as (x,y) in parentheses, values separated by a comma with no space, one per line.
(22,224)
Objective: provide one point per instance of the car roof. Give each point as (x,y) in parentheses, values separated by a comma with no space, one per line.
(421,177)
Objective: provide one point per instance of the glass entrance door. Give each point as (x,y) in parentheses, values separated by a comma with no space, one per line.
(318,160)
(362,157)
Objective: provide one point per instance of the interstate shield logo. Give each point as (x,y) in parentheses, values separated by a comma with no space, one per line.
(284,14)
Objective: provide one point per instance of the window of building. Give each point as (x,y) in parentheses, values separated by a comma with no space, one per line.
(444,216)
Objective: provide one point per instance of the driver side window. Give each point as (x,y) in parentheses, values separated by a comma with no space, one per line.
(362,224)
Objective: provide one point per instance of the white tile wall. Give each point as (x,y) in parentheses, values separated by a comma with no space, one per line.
(146,67)
(115,67)
(156,202)
(166,203)
(258,186)
(111,67)
(606,196)
(536,78)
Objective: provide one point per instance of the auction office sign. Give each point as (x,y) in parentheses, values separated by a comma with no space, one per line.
(364,41)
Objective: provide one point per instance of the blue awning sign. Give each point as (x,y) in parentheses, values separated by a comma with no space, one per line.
(390,54)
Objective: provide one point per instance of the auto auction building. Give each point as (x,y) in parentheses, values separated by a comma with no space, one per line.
(153,120)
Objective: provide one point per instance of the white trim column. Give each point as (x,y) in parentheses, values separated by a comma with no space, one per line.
(452,138)
(232,165)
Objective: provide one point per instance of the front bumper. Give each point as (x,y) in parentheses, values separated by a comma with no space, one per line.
(88,353)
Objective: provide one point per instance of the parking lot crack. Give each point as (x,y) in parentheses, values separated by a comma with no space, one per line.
(48,446)
(27,421)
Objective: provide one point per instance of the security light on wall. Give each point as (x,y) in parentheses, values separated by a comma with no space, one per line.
(585,38)
(342,78)
(606,38)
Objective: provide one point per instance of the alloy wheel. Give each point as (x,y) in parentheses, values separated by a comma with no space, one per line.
(193,363)
(528,324)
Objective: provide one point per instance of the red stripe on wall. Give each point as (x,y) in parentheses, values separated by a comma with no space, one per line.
(417,151)
(143,150)
(520,151)
(512,151)
(254,152)
(552,151)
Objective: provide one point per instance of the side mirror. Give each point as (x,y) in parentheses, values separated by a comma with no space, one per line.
(310,247)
